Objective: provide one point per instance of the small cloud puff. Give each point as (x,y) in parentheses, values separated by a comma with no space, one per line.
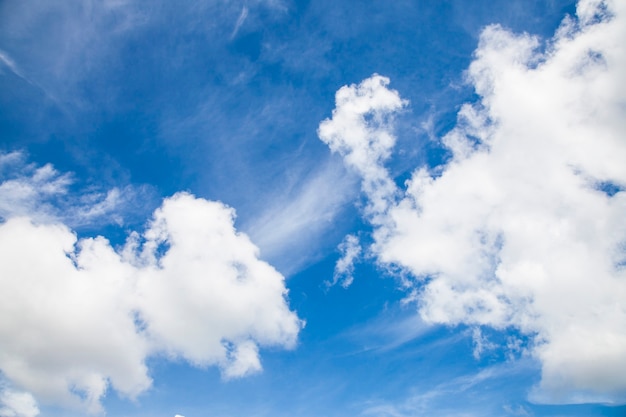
(344,268)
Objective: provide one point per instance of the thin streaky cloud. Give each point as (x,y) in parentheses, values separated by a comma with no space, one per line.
(14,68)
(240,21)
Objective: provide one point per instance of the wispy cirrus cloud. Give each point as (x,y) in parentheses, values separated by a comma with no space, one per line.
(46,195)
(464,395)
(292,225)
(8,62)
(240,20)
(523,226)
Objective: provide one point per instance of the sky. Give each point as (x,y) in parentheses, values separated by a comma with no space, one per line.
(312,208)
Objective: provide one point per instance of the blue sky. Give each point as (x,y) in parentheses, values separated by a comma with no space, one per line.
(296,208)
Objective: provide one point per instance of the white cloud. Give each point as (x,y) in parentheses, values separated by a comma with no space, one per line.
(481,343)
(393,328)
(17,404)
(8,62)
(524,226)
(344,268)
(435,400)
(78,317)
(360,132)
(44,194)
(516,411)
(60,54)
(240,20)
(293,223)
(243,360)
(26,188)
(227,293)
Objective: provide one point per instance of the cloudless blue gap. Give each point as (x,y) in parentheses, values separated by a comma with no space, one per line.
(579,410)
(609,188)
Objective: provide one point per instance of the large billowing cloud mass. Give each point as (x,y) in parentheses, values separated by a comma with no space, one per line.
(79,316)
(524,226)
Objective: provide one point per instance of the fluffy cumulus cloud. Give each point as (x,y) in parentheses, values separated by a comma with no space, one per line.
(78,317)
(524,225)
(359,130)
